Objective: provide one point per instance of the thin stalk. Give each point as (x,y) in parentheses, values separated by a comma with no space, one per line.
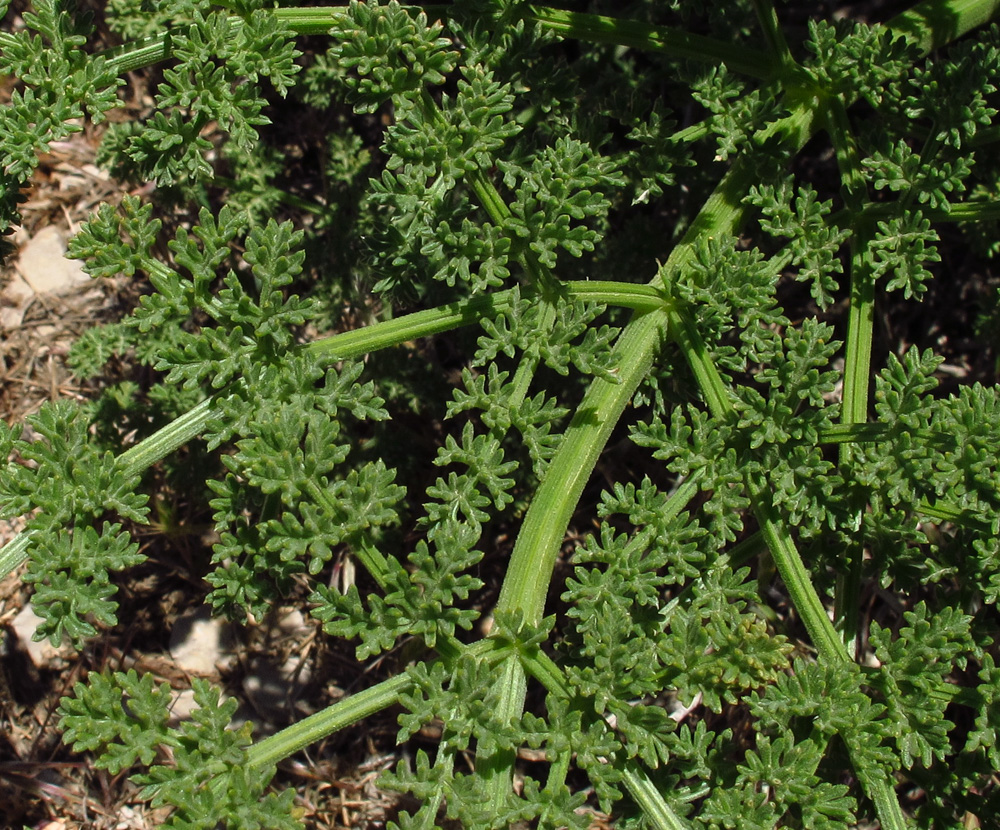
(854,410)
(138,54)
(371,558)
(529,365)
(558,772)
(338,716)
(857,362)
(546,671)
(635,34)
(793,572)
(350,710)
(853,433)
(800,588)
(786,557)
(648,796)
(945,511)
(444,318)
(985,211)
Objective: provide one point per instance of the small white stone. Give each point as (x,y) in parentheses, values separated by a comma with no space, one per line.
(44,266)
(200,644)
(42,654)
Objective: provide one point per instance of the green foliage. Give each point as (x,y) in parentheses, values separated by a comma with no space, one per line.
(901,247)
(137,21)
(62,85)
(563,185)
(852,59)
(209,780)
(420,603)
(735,113)
(677,641)
(288,501)
(391,53)
(221,60)
(913,679)
(812,244)
(71,485)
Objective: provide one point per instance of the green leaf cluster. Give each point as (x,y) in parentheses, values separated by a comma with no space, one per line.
(71,487)
(208,781)
(390,53)
(61,85)
(221,61)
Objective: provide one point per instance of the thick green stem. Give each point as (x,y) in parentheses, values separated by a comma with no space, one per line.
(774,35)
(934,23)
(543,532)
(495,769)
(650,799)
(857,363)
(639,35)
(540,539)
(544,528)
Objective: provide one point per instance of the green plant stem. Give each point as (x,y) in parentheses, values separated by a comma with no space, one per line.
(529,364)
(774,35)
(857,362)
(142,53)
(368,555)
(648,796)
(635,34)
(985,211)
(861,315)
(314,728)
(529,574)
(945,511)
(337,716)
(494,769)
(530,571)
(795,575)
(558,772)
(545,670)
(786,557)
(934,23)
(853,433)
